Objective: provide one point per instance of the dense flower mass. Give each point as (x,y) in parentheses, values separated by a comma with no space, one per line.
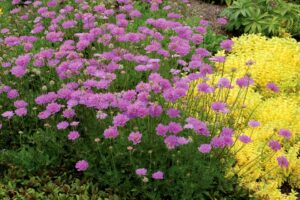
(117,86)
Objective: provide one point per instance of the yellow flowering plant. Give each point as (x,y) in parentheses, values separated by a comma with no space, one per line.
(273,101)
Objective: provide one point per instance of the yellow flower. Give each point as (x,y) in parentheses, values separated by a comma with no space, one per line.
(1,11)
(276,60)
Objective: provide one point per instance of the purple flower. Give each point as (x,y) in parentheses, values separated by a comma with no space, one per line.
(135,137)
(275,145)
(202,52)
(273,87)
(20,104)
(204,22)
(44,114)
(244,81)
(218,142)
(220,59)
(73,135)
(219,107)
(282,162)
(171,142)
(8,114)
(62,125)
(141,172)
(182,140)
(174,127)
(69,24)
(159,175)
(55,36)
(226,44)
(245,139)
(179,45)
(224,83)
(204,87)
(222,21)
(53,107)
(12,94)
(161,129)
(198,126)
(173,113)
(204,148)
(285,133)
(227,132)
(82,165)
(21,112)
(111,132)
(253,123)
(120,120)
(69,113)
(155,110)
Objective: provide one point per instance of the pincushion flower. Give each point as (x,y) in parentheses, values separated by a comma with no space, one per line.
(73,135)
(244,81)
(226,44)
(275,145)
(8,114)
(159,175)
(253,123)
(82,165)
(204,148)
(222,21)
(285,133)
(219,107)
(173,113)
(282,161)
(162,129)
(273,87)
(111,132)
(245,139)
(135,137)
(141,171)
(62,125)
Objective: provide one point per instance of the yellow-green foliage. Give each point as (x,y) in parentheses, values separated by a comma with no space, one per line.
(276,60)
(274,113)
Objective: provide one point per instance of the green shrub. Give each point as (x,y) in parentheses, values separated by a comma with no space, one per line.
(269,17)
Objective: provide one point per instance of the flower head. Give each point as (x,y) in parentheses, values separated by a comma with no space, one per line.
(273,87)
(253,123)
(285,133)
(219,107)
(73,135)
(204,148)
(111,132)
(245,139)
(82,165)
(275,145)
(282,162)
(159,175)
(141,171)
(135,137)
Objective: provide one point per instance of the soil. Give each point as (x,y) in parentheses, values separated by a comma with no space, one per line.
(208,12)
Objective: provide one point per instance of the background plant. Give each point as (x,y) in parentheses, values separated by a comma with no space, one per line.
(267,17)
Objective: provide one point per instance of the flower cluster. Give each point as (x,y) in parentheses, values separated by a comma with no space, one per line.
(143,86)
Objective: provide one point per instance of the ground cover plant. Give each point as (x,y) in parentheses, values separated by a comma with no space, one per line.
(128,95)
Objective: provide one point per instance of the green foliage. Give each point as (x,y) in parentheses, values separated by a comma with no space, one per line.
(269,17)
(15,184)
(34,146)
